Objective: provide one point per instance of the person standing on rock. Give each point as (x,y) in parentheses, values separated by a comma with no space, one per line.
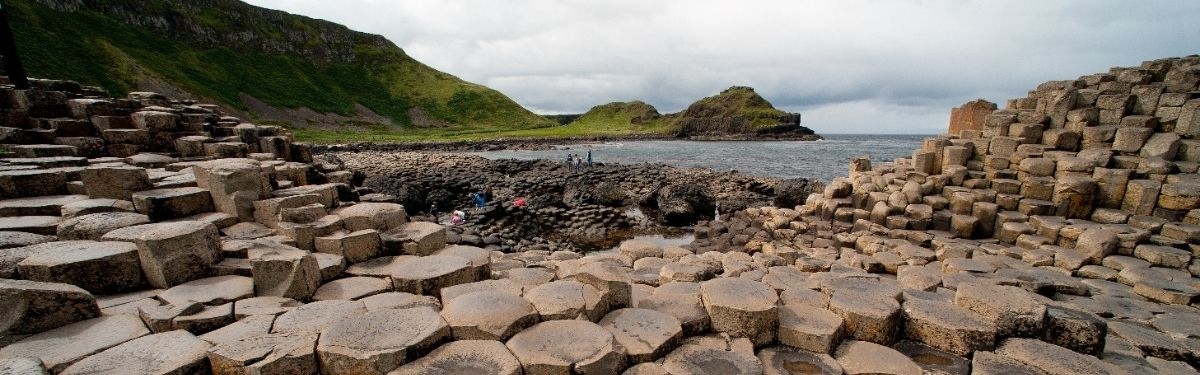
(433,211)
(570,159)
(478,199)
(589,158)
(717,213)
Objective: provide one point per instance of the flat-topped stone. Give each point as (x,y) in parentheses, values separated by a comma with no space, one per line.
(369,215)
(34,306)
(741,308)
(567,299)
(707,355)
(944,326)
(174,352)
(172,203)
(95,226)
(415,238)
(317,316)
(500,285)
(210,291)
(562,346)
(32,183)
(63,346)
(868,318)
(98,267)
(38,206)
(378,341)
(488,315)
(1052,359)
(357,246)
(44,225)
(645,334)
(291,274)
(352,288)
(861,357)
(810,328)
(429,274)
(268,353)
(782,360)
(1012,310)
(465,357)
(266,305)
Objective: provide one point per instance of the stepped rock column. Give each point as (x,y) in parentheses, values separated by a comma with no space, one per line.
(234,184)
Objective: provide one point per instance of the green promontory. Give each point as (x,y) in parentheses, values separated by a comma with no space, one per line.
(264,64)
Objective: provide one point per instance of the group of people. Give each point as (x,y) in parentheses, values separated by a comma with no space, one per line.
(576,161)
(480,199)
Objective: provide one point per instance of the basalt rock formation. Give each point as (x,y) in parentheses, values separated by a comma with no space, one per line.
(1059,239)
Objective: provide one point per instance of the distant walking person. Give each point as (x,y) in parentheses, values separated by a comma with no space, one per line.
(479,200)
(570,159)
(717,214)
(578,162)
(589,158)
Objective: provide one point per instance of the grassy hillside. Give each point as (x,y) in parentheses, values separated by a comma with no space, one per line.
(221,49)
(736,101)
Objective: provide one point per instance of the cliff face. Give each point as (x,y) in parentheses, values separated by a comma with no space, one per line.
(262,63)
(737,111)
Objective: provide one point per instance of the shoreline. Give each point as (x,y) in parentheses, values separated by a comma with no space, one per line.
(534,144)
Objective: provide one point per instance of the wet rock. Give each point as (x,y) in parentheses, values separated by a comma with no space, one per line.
(786,361)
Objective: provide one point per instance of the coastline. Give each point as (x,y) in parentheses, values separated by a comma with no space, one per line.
(536,143)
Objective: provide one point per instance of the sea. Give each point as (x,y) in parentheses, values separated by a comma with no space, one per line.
(821,160)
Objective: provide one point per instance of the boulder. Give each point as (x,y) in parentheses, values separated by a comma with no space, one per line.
(378,216)
(868,317)
(234,184)
(355,246)
(684,204)
(114,181)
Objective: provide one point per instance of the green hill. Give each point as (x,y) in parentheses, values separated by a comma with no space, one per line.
(264,64)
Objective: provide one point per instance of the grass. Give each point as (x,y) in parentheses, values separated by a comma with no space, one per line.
(93,48)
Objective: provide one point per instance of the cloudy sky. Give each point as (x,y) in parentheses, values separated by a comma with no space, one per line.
(849,66)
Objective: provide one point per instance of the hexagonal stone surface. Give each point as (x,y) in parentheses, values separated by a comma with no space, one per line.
(1013,310)
(1053,359)
(378,341)
(945,326)
(501,285)
(174,352)
(315,317)
(867,317)
(399,300)
(172,253)
(682,301)
(645,334)
(712,356)
(567,299)
(480,259)
(210,291)
(741,308)
(98,267)
(782,360)
(567,346)
(95,226)
(861,357)
(21,366)
(809,328)
(266,353)
(488,315)
(428,275)
(465,357)
(933,360)
(352,288)
(263,306)
(61,347)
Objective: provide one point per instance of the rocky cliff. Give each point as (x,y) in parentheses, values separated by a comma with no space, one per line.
(261,63)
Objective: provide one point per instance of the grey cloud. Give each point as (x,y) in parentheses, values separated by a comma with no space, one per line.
(867,66)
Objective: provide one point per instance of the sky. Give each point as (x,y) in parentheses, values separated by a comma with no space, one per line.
(848,66)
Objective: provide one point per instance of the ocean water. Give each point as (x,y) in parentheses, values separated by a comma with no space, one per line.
(821,160)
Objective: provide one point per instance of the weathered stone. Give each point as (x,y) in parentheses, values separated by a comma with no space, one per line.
(377,342)
(1161,145)
(611,279)
(480,259)
(114,181)
(868,317)
(488,315)
(786,361)
(355,246)
(173,203)
(568,299)
(809,328)
(287,273)
(172,253)
(644,334)
(315,317)
(95,226)
(63,346)
(708,355)
(174,352)
(947,327)
(1052,359)
(429,274)
(741,308)
(465,357)
(33,306)
(1011,309)
(563,346)
(266,353)
(234,184)
(1076,330)
(1096,243)
(861,357)
(208,319)
(415,238)
(637,249)
(98,267)
(1179,196)
(209,291)
(352,288)
(988,363)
